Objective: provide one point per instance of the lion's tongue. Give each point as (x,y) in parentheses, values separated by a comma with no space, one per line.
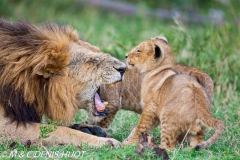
(100,107)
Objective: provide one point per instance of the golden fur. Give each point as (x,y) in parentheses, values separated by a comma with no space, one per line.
(126,94)
(46,70)
(177,100)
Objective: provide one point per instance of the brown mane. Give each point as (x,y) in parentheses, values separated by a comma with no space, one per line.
(33,71)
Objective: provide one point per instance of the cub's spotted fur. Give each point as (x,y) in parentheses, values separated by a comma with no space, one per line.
(177,100)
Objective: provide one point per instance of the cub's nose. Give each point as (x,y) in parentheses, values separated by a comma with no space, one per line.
(121,70)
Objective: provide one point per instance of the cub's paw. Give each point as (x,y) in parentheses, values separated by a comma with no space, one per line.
(90,129)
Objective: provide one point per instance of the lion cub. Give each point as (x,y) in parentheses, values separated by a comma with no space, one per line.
(177,100)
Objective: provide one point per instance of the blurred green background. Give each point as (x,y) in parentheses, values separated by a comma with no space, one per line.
(203,34)
(116,31)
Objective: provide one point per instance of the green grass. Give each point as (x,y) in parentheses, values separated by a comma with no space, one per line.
(213,49)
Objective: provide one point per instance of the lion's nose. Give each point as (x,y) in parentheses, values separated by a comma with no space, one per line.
(126,56)
(121,70)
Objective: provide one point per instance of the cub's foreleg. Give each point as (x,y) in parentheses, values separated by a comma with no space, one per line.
(147,121)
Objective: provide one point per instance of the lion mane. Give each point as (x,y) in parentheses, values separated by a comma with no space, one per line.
(33,71)
(46,70)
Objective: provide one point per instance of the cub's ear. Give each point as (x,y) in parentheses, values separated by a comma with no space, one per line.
(162,38)
(157,51)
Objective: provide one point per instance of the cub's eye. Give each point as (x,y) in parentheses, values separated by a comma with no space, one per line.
(138,51)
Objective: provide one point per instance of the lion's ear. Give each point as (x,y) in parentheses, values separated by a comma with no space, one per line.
(54,62)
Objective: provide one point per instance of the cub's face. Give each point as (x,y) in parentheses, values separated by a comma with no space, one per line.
(150,54)
(138,55)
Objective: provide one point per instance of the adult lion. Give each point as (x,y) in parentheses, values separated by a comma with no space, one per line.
(47,70)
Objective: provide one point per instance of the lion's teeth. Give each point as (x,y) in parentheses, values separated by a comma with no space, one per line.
(105,103)
(111,85)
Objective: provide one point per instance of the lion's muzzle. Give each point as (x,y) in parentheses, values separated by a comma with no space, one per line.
(121,70)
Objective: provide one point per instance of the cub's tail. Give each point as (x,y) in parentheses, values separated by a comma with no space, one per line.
(206,118)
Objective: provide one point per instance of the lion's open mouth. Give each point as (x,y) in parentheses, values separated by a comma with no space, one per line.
(100,109)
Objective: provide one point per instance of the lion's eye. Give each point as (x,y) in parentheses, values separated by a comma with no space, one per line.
(138,50)
(96,60)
